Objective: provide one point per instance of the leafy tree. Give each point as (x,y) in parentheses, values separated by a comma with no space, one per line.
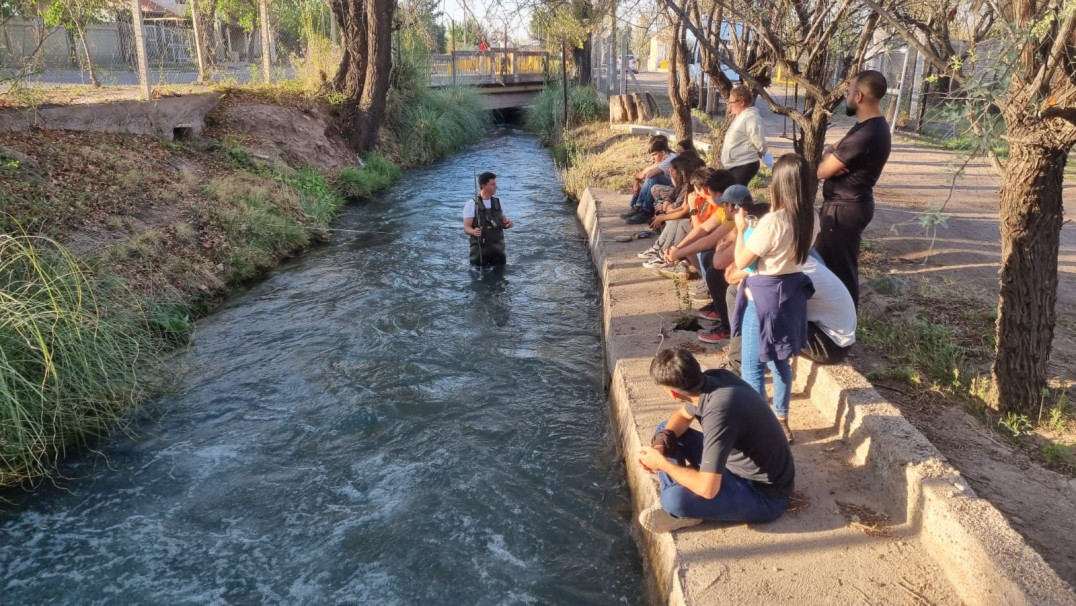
(1031,81)
(467,33)
(75,16)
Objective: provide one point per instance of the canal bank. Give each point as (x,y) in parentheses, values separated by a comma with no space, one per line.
(878,515)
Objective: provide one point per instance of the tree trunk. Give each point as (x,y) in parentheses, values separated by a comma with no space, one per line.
(351,76)
(1031,218)
(679,85)
(87,58)
(810,145)
(379,15)
(581,56)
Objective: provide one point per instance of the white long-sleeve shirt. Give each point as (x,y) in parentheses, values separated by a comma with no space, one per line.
(745,141)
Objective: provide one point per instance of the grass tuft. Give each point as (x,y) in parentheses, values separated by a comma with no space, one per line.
(68,370)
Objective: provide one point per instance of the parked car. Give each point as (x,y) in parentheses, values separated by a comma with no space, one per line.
(633,65)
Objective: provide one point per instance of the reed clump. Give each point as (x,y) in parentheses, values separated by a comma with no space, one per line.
(73,359)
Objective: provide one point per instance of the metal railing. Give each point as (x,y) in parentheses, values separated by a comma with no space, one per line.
(496,66)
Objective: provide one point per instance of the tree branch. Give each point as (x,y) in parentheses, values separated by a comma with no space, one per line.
(911,40)
(1065,113)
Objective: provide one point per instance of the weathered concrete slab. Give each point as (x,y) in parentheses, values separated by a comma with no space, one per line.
(158,118)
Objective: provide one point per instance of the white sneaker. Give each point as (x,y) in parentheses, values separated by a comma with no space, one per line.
(657,520)
(654,262)
(653,251)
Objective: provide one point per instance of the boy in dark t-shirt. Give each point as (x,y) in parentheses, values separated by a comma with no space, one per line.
(739,468)
(850,171)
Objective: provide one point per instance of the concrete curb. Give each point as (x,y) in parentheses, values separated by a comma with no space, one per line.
(982,556)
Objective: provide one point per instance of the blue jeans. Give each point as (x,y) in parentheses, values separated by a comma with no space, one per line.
(753,370)
(645,199)
(738,500)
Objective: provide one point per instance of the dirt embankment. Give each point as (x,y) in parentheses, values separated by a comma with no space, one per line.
(183,219)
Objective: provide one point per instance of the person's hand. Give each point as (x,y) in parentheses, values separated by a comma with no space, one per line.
(733,274)
(656,223)
(669,256)
(508,223)
(476,232)
(723,244)
(740,217)
(651,459)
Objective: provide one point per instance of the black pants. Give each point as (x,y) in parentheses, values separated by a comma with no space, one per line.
(744,172)
(735,344)
(716,284)
(820,348)
(842,225)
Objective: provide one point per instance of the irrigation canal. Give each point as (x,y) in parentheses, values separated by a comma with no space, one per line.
(373,424)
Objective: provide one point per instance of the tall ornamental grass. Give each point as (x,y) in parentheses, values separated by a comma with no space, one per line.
(545,115)
(438,122)
(68,371)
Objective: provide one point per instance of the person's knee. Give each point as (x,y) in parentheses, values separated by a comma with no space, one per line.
(674,500)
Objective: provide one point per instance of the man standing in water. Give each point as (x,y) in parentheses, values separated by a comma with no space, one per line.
(737,469)
(851,169)
(485,223)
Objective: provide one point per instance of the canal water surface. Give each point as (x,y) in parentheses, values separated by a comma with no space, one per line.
(373,424)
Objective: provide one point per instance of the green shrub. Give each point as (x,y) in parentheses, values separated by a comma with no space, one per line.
(320,202)
(377,173)
(68,371)
(437,122)
(545,114)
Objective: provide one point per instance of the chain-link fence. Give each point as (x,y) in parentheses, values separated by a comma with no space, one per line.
(232,49)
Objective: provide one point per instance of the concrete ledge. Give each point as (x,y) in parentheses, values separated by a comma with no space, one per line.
(157,118)
(985,560)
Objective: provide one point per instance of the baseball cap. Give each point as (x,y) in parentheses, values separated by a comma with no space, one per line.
(737,195)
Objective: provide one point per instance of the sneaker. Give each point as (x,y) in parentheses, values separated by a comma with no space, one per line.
(788,430)
(700,289)
(657,520)
(714,336)
(707,312)
(654,263)
(702,299)
(675,270)
(653,251)
(643,216)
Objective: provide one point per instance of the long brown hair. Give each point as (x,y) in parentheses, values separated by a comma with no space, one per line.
(788,191)
(682,167)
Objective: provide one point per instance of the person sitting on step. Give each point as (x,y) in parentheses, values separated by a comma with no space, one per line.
(642,201)
(738,468)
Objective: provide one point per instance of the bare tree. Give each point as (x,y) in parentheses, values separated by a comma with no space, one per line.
(800,38)
(1032,80)
(680,77)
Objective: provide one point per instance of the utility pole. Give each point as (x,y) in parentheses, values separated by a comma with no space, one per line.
(140,48)
(198,42)
(267,63)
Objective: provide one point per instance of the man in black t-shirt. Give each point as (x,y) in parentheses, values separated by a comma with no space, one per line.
(851,169)
(737,469)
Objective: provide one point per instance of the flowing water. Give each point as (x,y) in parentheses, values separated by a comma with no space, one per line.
(373,424)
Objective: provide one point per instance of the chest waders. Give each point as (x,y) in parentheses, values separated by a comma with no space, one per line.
(489,248)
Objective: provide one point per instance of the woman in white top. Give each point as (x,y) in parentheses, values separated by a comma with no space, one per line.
(745,140)
(773,301)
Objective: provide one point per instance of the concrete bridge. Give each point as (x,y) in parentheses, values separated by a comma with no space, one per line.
(507,78)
